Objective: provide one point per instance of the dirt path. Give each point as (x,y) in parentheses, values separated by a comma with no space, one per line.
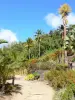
(32,90)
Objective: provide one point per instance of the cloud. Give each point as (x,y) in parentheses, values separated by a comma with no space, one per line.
(71,18)
(54,20)
(8,35)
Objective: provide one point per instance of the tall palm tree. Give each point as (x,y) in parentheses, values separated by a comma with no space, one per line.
(64,10)
(29,44)
(38,39)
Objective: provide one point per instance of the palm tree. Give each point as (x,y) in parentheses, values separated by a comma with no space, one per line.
(38,39)
(5,61)
(64,10)
(29,44)
(2,68)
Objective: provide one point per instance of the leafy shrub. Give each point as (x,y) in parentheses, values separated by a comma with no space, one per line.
(73,59)
(57,95)
(56,78)
(67,93)
(70,76)
(60,78)
(72,86)
(33,61)
(61,66)
(47,65)
(29,77)
(32,67)
(36,75)
(53,55)
(32,76)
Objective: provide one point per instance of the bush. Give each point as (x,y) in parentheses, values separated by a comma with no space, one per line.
(53,55)
(51,65)
(60,78)
(67,93)
(70,76)
(29,77)
(57,95)
(56,78)
(36,75)
(61,66)
(32,67)
(32,76)
(47,65)
(73,60)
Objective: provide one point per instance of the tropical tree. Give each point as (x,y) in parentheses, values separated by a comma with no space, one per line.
(5,61)
(38,39)
(71,38)
(17,55)
(29,44)
(64,10)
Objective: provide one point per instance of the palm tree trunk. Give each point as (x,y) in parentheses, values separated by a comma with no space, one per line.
(39,49)
(65,57)
(65,51)
(29,53)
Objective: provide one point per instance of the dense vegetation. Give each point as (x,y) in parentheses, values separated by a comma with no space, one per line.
(45,52)
(30,56)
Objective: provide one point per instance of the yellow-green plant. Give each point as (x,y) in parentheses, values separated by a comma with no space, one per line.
(29,77)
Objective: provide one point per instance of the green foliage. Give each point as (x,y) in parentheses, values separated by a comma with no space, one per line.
(24,55)
(60,78)
(36,75)
(73,60)
(29,77)
(67,93)
(56,78)
(61,67)
(46,65)
(32,76)
(29,45)
(3,41)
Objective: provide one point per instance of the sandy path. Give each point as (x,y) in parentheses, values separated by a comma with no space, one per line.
(33,90)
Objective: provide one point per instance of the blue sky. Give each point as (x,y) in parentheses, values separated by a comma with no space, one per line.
(24,17)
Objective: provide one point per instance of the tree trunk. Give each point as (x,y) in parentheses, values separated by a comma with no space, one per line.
(29,53)
(65,51)
(59,57)
(65,57)
(39,49)
(13,79)
(3,86)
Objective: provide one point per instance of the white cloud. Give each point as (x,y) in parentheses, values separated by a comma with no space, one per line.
(71,18)
(54,20)
(8,35)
